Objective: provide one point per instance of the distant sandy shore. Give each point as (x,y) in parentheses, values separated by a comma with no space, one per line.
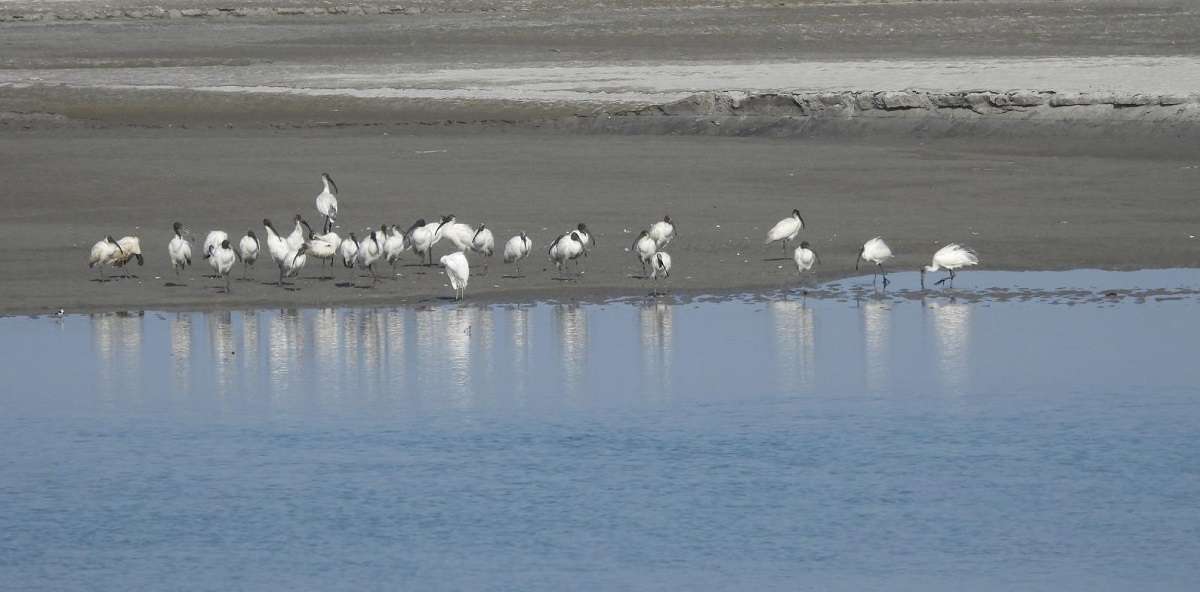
(124,126)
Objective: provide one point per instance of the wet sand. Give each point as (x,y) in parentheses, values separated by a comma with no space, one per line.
(113,128)
(66,188)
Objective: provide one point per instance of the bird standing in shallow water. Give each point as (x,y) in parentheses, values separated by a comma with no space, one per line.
(179,249)
(950,257)
(875,251)
(327,203)
(516,249)
(660,265)
(458,269)
(804,257)
(785,230)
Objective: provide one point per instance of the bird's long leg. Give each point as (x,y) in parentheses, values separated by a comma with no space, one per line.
(280,283)
(227,283)
(951,278)
(883,272)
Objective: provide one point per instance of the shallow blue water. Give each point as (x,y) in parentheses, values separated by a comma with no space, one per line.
(873,443)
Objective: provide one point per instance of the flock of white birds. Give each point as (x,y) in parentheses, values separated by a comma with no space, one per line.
(290,253)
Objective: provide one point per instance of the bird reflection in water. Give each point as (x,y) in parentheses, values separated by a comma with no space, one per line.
(572,331)
(658,338)
(794,344)
(876,315)
(952,330)
(521,342)
(117,341)
(181,352)
(220,339)
(285,343)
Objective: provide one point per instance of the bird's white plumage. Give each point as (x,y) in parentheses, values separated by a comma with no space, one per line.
(517,248)
(131,246)
(249,248)
(393,244)
(662,232)
(660,265)
(953,256)
(483,242)
(459,235)
(221,258)
(324,246)
(645,247)
(805,258)
(212,241)
(294,262)
(785,230)
(298,235)
(327,203)
(277,246)
(349,251)
(876,251)
(180,252)
(458,270)
(104,252)
(370,251)
(565,248)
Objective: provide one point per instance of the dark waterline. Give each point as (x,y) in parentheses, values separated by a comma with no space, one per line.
(874,441)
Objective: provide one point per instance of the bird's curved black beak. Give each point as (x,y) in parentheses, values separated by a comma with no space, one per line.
(332,185)
(139,258)
(857,261)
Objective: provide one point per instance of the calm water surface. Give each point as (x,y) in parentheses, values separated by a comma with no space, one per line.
(1049,441)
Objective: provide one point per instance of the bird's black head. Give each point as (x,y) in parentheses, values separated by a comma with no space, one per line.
(803,244)
(267,223)
(523,236)
(420,222)
(332,185)
(250,233)
(138,256)
(448,218)
(575,237)
(796,212)
(110,239)
(178,227)
(582,227)
(225,244)
(644,234)
(303,248)
(667,219)
(298,218)
(383,228)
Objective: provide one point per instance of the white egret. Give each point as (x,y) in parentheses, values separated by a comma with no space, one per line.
(644,247)
(370,251)
(179,249)
(516,249)
(221,258)
(248,249)
(393,245)
(565,248)
(950,257)
(662,232)
(485,244)
(660,266)
(459,271)
(875,251)
(104,252)
(327,202)
(785,230)
(278,247)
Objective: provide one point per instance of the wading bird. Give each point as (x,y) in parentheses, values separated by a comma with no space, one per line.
(393,245)
(458,270)
(422,237)
(278,247)
(370,251)
(785,230)
(875,251)
(459,234)
(324,247)
(644,247)
(212,241)
(349,252)
(516,249)
(804,257)
(221,259)
(131,248)
(662,232)
(586,238)
(565,248)
(248,249)
(327,202)
(300,233)
(660,266)
(485,244)
(104,252)
(179,249)
(950,258)
(294,262)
